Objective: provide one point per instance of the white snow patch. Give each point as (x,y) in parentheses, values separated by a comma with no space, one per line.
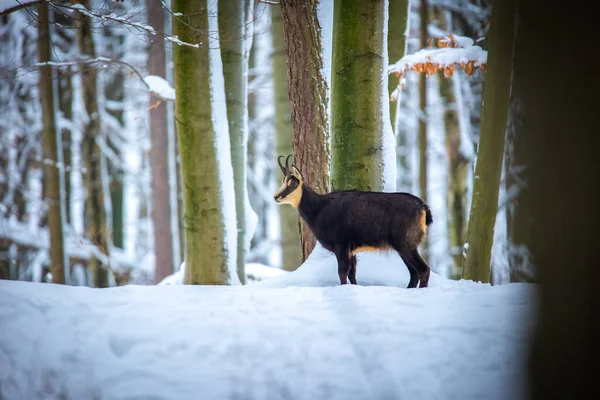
(389,140)
(256,272)
(464,340)
(222,143)
(160,87)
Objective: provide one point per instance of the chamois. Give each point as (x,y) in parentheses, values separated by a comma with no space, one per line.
(350,221)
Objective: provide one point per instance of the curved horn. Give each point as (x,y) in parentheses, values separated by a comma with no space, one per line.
(287,162)
(283,169)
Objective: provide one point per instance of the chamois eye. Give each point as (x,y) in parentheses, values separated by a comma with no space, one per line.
(293,183)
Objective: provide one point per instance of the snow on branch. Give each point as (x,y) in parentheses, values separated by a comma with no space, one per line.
(160,87)
(452,51)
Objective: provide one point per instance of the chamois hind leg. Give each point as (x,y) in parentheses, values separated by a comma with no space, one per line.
(413,258)
(352,270)
(343,260)
(414,276)
(423,269)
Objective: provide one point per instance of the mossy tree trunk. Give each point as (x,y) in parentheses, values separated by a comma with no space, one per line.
(96,219)
(560,137)
(308,100)
(458,164)
(162,209)
(397,34)
(486,182)
(233,43)
(356,107)
(206,248)
(53,169)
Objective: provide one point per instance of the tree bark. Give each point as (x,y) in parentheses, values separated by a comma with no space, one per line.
(308,99)
(486,183)
(232,36)
(92,156)
(560,135)
(162,209)
(356,116)
(397,34)
(53,167)
(206,248)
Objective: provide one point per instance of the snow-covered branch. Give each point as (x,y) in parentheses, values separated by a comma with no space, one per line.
(452,51)
(125,21)
(155,84)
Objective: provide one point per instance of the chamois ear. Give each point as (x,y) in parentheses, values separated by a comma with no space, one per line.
(296,172)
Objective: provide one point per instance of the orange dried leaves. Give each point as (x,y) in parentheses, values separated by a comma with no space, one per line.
(459,51)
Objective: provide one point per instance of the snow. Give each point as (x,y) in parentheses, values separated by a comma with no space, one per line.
(222,144)
(389,140)
(453,340)
(160,87)
(442,57)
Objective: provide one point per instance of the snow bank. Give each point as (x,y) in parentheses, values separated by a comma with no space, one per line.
(372,269)
(464,341)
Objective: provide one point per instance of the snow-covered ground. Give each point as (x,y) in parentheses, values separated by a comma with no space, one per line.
(274,339)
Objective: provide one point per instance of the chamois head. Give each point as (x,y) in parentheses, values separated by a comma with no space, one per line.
(290,191)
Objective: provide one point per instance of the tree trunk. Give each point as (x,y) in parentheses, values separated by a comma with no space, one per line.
(53,167)
(291,249)
(560,202)
(207,254)
(162,209)
(92,155)
(486,182)
(458,164)
(397,34)
(458,168)
(308,99)
(356,106)
(232,36)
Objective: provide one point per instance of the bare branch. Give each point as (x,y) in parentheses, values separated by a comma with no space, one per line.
(101,60)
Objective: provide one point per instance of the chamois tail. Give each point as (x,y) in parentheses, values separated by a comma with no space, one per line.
(428,217)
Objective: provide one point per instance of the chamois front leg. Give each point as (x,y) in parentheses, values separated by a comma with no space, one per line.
(343,259)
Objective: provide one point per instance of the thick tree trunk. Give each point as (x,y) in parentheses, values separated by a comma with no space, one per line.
(232,36)
(53,168)
(162,209)
(560,202)
(96,222)
(486,182)
(206,252)
(397,34)
(356,106)
(308,99)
